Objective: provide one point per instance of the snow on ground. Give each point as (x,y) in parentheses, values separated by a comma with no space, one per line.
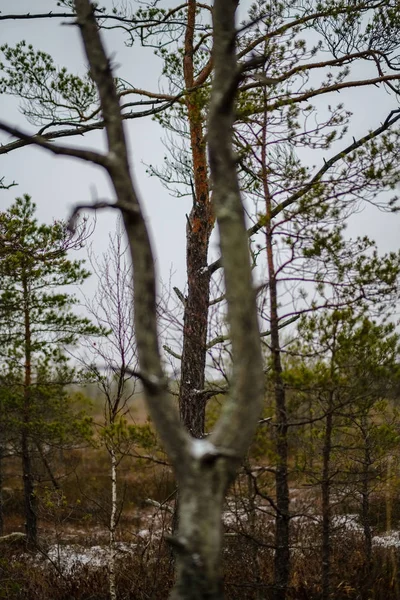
(71,556)
(349,522)
(388,540)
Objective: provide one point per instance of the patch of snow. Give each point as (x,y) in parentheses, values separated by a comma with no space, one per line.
(389,540)
(201,448)
(144,533)
(349,522)
(234,518)
(73,556)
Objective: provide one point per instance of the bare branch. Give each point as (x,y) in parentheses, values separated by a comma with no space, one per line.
(171,352)
(87,155)
(293,99)
(223,338)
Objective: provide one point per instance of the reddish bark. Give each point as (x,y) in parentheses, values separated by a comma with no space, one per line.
(192,400)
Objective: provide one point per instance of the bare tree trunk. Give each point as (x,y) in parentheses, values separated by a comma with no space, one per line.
(113,525)
(326,505)
(198,543)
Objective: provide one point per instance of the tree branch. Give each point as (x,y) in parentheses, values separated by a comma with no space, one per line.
(241,411)
(88,155)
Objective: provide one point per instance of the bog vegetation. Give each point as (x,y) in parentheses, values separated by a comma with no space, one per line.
(239,438)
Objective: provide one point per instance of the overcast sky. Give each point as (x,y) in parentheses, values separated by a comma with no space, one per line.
(56,183)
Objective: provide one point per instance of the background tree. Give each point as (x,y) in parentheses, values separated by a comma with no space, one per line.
(37,323)
(349,369)
(109,363)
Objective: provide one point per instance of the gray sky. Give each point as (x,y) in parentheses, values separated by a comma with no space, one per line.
(57,183)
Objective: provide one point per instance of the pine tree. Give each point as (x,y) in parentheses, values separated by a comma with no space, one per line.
(37,323)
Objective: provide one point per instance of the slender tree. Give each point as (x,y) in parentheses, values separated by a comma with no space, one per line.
(109,362)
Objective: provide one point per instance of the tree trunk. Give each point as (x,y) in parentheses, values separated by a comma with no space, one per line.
(252,524)
(199,536)
(47,466)
(29,491)
(113,525)
(326,506)
(282,552)
(27,468)
(365,493)
(192,401)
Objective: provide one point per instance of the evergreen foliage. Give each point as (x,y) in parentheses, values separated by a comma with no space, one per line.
(38,324)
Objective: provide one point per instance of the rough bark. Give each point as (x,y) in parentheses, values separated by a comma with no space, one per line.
(192,402)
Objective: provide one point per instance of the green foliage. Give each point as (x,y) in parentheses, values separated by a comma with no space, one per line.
(144,436)
(33,268)
(48,93)
(37,324)
(347,371)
